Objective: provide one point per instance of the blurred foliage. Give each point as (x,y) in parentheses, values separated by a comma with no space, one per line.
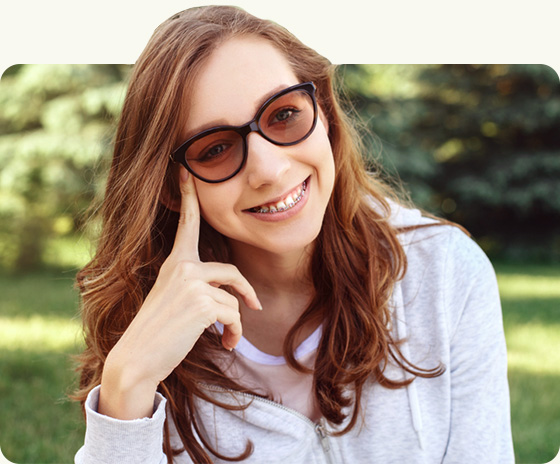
(56,125)
(479,145)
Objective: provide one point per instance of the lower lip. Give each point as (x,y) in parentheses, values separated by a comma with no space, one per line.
(287,214)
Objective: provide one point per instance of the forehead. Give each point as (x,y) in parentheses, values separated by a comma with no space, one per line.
(238,76)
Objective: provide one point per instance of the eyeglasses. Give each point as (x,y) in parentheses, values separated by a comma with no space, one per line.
(217,154)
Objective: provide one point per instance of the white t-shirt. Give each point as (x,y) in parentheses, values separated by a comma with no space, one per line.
(270,375)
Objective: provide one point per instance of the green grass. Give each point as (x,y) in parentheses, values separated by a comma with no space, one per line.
(531,306)
(39,331)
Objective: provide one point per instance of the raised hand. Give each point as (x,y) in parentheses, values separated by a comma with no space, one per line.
(185,299)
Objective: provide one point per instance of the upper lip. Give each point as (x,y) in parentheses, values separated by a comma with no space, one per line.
(277,198)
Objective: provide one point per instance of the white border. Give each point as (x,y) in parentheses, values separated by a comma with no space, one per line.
(352,31)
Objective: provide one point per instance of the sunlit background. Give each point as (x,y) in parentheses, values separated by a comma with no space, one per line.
(477,144)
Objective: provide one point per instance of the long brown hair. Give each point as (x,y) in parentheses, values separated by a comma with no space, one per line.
(355,264)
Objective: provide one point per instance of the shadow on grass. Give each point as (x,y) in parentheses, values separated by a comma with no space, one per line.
(531,310)
(43,293)
(39,423)
(535,416)
(532,269)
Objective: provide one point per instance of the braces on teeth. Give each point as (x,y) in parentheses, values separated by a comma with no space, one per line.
(287,205)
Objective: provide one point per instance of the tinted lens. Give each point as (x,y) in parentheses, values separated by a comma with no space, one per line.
(216,155)
(285,120)
(288,119)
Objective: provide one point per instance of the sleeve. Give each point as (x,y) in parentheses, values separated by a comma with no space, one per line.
(480,406)
(109,440)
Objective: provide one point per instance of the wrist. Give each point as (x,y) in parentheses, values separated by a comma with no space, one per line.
(125,394)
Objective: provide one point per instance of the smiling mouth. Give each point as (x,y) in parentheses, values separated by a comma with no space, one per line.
(286,203)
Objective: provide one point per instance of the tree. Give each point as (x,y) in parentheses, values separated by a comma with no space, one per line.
(479,144)
(56,123)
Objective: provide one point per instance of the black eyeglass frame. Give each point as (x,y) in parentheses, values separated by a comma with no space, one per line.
(178,156)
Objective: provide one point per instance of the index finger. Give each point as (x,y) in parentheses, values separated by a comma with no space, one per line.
(186,239)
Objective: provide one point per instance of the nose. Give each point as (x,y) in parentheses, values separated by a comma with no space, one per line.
(266,162)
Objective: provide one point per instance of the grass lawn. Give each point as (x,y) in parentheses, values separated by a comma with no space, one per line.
(39,330)
(531,306)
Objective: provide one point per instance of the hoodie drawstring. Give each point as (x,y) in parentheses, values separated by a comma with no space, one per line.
(400,323)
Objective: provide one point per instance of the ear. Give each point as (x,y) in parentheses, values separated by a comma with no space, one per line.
(170,196)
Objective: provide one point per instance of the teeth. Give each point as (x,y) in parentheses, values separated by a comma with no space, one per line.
(283,204)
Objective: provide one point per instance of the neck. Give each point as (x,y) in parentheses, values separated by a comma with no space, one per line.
(284,287)
(274,274)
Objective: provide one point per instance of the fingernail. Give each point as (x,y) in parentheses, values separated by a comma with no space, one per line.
(183,174)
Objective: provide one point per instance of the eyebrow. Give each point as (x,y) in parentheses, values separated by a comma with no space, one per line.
(220,122)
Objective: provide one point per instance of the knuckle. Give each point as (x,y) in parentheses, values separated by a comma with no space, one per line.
(202,307)
(206,303)
(231,268)
(236,275)
(197,289)
(166,265)
(233,302)
(187,216)
(235,318)
(184,218)
(235,326)
(186,268)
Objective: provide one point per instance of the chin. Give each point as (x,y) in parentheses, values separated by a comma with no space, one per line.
(293,244)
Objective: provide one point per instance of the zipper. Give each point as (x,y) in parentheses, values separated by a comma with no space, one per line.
(262,400)
(324,438)
(319,428)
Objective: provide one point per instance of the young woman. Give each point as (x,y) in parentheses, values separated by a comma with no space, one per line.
(256,295)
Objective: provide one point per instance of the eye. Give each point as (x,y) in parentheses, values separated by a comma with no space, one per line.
(284,115)
(212,153)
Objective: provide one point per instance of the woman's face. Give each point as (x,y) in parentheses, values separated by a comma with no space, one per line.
(231,87)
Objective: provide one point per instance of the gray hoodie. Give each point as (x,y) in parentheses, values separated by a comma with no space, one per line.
(447,309)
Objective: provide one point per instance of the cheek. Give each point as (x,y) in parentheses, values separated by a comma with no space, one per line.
(217,203)
(325,162)
(320,150)
(207,200)
(323,120)
(206,209)
(323,126)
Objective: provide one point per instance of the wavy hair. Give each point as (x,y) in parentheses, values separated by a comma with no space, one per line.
(356,260)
